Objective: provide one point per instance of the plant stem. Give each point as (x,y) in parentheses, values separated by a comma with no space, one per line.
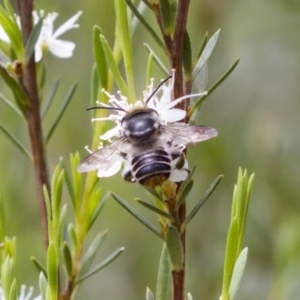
(177,64)
(28,80)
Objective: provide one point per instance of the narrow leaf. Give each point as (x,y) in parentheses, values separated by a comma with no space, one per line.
(137,215)
(157,60)
(72,235)
(98,209)
(156,194)
(11,105)
(187,57)
(32,40)
(13,291)
(212,88)
(124,37)
(238,272)
(175,249)
(165,11)
(180,198)
(163,274)
(50,97)
(63,107)
(114,67)
(202,47)
(201,202)
(16,142)
(90,254)
(155,209)
(99,57)
(146,25)
(101,265)
(230,256)
(21,99)
(206,53)
(68,259)
(52,271)
(39,265)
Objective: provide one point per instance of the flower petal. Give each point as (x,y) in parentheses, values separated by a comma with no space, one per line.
(172,115)
(178,175)
(110,133)
(67,25)
(62,49)
(110,171)
(38,53)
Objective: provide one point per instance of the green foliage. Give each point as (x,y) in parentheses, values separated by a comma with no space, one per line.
(235,258)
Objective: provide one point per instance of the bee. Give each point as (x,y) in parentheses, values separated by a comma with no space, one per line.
(151,150)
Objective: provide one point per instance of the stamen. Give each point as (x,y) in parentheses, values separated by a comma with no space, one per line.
(88,149)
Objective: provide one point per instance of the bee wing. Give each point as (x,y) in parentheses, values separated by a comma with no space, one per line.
(182,133)
(104,158)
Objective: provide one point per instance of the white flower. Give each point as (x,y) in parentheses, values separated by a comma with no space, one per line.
(167,113)
(48,40)
(23,295)
(164,106)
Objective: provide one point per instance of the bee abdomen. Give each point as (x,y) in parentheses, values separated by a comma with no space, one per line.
(152,167)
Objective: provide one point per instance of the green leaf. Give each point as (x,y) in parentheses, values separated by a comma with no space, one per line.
(163,274)
(146,25)
(124,37)
(137,215)
(101,265)
(194,107)
(180,198)
(77,180)
(230,256)
(156,194)
(98,209)
(20,96)
(206,54)
(135,22)
(187,57)
(38,265)
(68,259)
(43,285)
(201,202)
(72,235)
(168,11)
(149,294)
(11,105)
(99,57)
(202,47)
(238,272)
(50,97)
(155,209)
(52,271)
(32,39)
(63,107)
(175,249)
(114,67)
(10,26)
(90,254)
(13,291)
(16,142)
(157,59)
(57,183)
(94,85)
(7,275)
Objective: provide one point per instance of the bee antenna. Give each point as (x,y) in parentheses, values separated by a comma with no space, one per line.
(105,107)
(154,92)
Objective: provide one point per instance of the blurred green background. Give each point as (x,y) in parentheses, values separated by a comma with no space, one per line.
(256,111)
